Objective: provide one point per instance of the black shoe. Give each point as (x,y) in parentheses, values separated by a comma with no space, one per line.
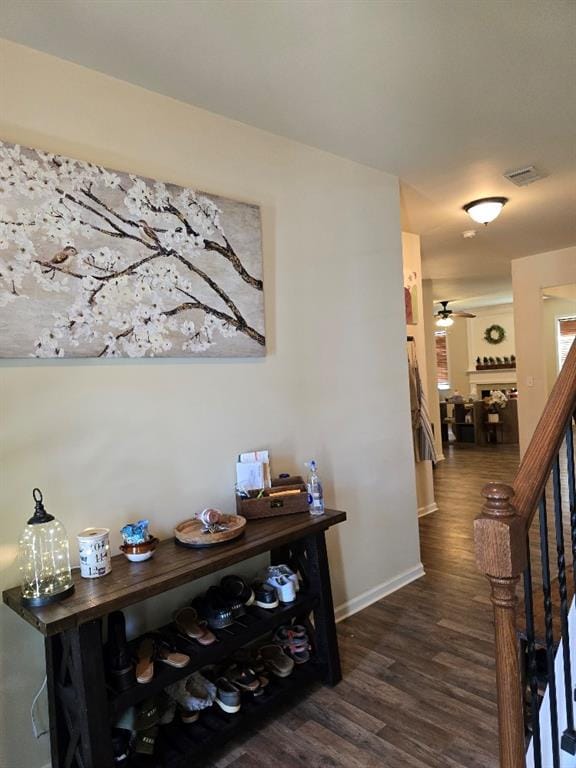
(235,587)
(266,596)
(120,661)
(214,608)
(236,594)
(121,745)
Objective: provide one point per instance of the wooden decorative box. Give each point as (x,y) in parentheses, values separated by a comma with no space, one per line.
(287,496)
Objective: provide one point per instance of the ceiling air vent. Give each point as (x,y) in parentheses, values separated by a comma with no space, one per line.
(523,176)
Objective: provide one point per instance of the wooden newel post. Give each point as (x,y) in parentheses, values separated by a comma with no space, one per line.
(500,544)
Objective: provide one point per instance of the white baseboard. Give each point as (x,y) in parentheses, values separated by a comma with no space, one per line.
(428,509)
(350,607)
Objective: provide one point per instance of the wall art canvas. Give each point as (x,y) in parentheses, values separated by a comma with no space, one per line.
(98,263)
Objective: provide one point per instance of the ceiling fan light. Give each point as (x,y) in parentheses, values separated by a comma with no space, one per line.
(444,322)
(486,209)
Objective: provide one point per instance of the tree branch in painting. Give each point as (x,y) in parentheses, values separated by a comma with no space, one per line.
(141,261)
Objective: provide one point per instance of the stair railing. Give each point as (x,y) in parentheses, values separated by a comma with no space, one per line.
(507,548)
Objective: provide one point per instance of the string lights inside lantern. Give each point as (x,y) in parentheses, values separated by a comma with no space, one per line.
(44,558)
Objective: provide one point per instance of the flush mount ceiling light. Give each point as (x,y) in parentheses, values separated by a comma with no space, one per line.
(486,209)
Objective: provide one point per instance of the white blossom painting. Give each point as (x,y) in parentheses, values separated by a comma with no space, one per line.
(98,263)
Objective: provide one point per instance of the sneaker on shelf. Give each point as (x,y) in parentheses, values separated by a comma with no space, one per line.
(284,588)
(293,639)
(235,587)
(287,572)
(265,595)
(227,696)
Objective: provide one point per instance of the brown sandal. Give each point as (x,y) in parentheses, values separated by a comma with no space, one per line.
(145,660)
(188,624)
(170,655)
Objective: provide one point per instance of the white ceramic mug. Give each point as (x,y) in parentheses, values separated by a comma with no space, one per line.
(94,545)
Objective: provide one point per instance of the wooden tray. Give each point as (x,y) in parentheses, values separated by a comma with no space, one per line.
(190,532)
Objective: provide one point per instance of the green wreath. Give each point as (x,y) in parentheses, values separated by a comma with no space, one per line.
(495,334)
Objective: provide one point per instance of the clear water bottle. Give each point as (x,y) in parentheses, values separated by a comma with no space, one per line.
(315,492)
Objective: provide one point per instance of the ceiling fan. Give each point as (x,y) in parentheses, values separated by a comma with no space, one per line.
(445,317)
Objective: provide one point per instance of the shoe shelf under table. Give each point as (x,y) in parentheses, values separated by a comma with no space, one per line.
(82,706)
(186,746)
(245,630)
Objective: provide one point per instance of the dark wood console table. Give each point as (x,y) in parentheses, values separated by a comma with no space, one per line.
(83,706)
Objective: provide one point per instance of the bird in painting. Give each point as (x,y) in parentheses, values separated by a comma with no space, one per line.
(50,266)
(63,255)
(147,229)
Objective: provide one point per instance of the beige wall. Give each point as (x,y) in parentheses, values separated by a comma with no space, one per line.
(529,276)
(111,441)
(458,357)
(502,315)
(413,264)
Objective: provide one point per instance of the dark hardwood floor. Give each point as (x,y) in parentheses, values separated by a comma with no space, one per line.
(418,688)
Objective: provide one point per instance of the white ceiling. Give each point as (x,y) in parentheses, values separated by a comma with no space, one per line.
(447,94)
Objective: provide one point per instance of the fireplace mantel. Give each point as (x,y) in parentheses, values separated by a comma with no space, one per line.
(493,378)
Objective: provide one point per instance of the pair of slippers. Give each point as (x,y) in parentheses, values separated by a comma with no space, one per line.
(192,694)
(151,649)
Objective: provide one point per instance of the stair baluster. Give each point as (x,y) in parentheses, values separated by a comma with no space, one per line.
(532,665)
(550,650)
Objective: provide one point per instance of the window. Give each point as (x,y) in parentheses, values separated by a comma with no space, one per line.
(566,335)
(442,360)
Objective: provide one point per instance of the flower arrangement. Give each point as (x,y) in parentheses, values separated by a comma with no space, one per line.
(496,401)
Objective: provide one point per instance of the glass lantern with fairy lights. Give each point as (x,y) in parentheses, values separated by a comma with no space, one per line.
(44,558)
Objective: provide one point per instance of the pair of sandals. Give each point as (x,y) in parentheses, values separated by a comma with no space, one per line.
(262,661)
(152,649)
(189,624)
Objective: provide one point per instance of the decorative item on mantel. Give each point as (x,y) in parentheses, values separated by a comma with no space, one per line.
(44,558)
(494,404)
(498,363)
(139,544)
